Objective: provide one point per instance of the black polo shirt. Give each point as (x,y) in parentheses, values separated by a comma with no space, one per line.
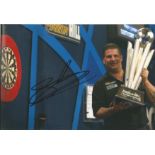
(103,94)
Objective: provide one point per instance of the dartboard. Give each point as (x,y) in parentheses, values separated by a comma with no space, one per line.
(11,71)
(8,68)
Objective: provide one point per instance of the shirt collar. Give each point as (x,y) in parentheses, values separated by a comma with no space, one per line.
(113,78)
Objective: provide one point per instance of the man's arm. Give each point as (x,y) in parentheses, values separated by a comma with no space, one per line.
(104,112)
(100,109)
(150,89)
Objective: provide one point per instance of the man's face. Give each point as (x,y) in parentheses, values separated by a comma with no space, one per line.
(112,59)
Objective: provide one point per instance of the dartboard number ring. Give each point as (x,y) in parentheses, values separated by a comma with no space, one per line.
(11,71)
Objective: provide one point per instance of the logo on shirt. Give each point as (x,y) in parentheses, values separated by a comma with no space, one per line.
(111,85)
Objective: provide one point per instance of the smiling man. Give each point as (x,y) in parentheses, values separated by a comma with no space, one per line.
(116,116)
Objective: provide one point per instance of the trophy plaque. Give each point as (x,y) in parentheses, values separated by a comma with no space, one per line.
(138,57)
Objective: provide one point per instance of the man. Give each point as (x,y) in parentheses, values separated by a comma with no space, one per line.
(118,116)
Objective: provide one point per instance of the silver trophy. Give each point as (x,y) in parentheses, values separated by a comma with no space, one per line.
(138,58)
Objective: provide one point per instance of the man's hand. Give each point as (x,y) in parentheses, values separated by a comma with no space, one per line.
(144,74)
(104,112)
(120,106)
(149,87)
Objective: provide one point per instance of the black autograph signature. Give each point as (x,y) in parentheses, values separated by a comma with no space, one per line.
(50,87)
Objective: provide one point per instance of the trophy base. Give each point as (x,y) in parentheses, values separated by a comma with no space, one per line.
(129,96)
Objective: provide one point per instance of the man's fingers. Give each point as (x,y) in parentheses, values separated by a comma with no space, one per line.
(122,106)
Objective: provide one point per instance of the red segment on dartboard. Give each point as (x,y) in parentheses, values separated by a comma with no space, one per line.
(11,69)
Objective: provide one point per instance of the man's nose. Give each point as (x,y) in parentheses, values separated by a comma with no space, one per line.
(112,58)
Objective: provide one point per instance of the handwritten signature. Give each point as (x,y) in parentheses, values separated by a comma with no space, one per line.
(50,87)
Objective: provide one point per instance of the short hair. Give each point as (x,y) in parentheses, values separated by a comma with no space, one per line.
(111,46)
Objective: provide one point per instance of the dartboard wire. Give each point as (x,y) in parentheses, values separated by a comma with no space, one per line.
(3,74)
(12,57)
(2,58)
(11,62)
(8,57)
(10,77)
(5,59)
(3,63)
(11,70)
(7,53)
(5,79)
